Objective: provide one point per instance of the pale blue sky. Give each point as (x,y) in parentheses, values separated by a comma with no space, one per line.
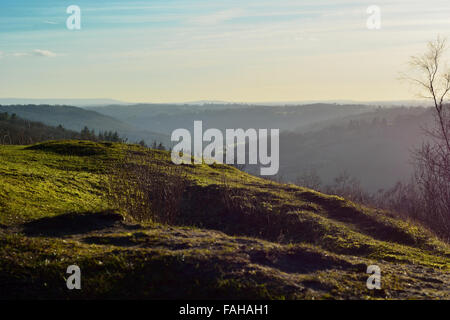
(167,50)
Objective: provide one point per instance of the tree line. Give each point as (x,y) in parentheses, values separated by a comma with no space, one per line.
(17,131)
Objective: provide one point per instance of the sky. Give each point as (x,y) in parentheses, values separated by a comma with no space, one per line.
(189,50)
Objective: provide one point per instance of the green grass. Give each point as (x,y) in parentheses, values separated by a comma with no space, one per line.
(276,241)
(35,184)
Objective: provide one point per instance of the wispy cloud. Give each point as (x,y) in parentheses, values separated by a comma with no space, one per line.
(217,17)
(35,53)
(20,54)
(50,22)
(43,53)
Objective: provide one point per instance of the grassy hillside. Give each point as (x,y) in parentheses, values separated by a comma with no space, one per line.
(238,236)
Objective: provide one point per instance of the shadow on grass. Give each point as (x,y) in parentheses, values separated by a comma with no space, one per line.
(300,260)
(74,223)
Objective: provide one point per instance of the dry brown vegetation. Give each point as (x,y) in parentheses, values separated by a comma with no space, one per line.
(144,191)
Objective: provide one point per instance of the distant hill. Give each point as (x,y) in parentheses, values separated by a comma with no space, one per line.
(164,118)
(374,147)
(75,118)
(18,131)
(103,102)
(70,102)
(371,143)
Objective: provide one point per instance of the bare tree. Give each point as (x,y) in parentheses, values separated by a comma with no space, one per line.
(348,187)
(432,160)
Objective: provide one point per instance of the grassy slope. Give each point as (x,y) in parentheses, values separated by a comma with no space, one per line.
(282,241)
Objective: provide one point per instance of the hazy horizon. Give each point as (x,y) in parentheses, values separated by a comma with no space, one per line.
(106,101)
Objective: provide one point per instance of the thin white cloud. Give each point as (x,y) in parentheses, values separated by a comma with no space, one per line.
(20,54)
(34,53)
(43,53)
(50,22)
(217,17)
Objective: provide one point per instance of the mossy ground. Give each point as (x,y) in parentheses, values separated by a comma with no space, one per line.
(277,242)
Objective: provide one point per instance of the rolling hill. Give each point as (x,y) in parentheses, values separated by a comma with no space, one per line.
(70,102)
(75,118)
(165,118)
(17,131)
(235,235)
(375,147)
